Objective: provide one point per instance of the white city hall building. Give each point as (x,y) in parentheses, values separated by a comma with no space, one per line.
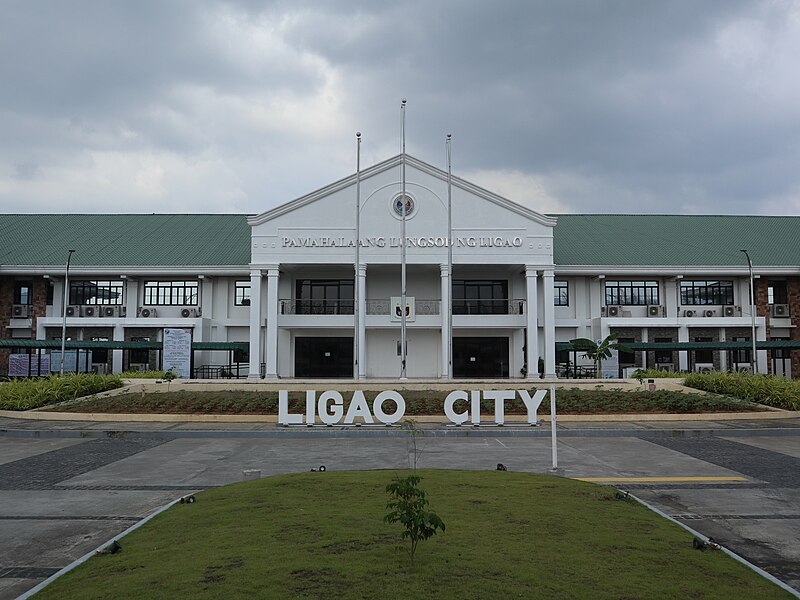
(313,287)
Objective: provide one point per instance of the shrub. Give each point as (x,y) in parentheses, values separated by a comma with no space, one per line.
(25,394)
(642,374)
(408,505)
(765,389)
(142,374)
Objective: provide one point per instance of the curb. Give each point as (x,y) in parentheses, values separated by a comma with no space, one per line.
(300,432)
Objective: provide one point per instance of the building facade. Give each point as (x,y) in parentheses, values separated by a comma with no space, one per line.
(313,287)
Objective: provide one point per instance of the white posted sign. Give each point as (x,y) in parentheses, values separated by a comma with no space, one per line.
(178,351)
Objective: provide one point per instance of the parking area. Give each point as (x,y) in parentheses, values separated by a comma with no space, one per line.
(64,496)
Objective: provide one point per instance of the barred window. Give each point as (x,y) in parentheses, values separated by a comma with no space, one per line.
(92,291)
(170,293)
(561,293)
(324,296)
(632,293)
(478,297)
(714,292)
(241,294)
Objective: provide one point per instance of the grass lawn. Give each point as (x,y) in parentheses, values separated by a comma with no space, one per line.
(418,402)
(321,535)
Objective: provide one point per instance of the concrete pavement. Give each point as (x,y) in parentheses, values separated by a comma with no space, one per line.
(67,487)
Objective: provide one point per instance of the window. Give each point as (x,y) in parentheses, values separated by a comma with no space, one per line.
(706,355)
(741,355)
(139,356)
(561,293)
(777,293)
(241,294)
(23,292)
(100,355)
(170,293)
(95,292)
(241,356)
(663,356)
(471,297)
(694,293)
(626,358)
(631,293)
(324,297)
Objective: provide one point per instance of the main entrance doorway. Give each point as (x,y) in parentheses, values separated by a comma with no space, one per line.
(480,357)
(323,357)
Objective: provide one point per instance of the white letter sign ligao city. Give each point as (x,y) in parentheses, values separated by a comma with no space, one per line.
(329,407)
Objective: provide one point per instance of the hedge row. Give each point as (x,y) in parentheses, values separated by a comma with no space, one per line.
(765,389)
(25,394)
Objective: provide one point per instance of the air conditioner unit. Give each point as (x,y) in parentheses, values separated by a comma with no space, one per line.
(73,311)
(729,311)
(655,311)
(744,369)
(109,311)
(146,312)
(89,311)
(703,368)
(21,311)
(189,313)
(780,310)
(709,313)
(100,368)
(665,367)
(689,313)
(613,311)
(139,367)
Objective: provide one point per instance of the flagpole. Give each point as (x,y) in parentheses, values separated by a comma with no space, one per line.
(403,343)
(356,315)
(450,256)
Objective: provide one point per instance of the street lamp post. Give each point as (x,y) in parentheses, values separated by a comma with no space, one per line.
(753,362)
(64,311)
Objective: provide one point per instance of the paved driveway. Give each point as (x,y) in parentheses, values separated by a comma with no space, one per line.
(63,496)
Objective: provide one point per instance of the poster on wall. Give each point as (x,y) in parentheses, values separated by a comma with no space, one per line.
(178,351)
(24,365)
(75,361)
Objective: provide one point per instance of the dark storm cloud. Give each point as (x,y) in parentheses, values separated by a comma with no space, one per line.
(601,106)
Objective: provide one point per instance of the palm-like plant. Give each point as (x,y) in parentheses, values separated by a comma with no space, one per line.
(598,351)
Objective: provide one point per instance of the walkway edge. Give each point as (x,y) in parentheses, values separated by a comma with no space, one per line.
(727,551)
(94,552)
(510,419)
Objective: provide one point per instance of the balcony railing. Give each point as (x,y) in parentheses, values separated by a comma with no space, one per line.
(489,307)
(421,307)
(316,307)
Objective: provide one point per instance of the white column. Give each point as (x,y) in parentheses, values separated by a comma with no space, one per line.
(762,356)
(362,320)
(683,355)
(444,311)
(532,342)
(272,322)
(255,324)
(132,300)
(645,339)
(723,354)
(549,326)
(116,355)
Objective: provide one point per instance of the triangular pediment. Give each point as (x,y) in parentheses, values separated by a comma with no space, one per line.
(411,165)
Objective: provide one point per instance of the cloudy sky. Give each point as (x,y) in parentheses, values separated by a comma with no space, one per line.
(646,106)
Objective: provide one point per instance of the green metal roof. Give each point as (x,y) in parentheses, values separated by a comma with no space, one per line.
(224,240)
(125,240)
(662,240)
(760,345)
(110,344)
